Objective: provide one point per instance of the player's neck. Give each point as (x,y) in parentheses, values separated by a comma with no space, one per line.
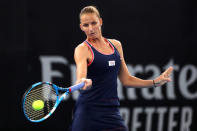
(97,41)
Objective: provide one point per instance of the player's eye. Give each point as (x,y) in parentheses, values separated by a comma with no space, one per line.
(94,23)
(85,25)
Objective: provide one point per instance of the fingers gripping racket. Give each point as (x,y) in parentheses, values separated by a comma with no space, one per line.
(42,98)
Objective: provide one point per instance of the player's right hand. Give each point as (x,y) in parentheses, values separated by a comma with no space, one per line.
(88,83)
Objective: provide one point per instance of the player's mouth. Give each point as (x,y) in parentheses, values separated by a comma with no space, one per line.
(92,33)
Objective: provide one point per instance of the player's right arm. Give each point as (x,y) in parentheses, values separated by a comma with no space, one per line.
(81,56)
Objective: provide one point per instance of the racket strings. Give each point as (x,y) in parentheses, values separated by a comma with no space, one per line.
(43,92)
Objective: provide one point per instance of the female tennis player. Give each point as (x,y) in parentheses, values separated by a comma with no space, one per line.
(99,62)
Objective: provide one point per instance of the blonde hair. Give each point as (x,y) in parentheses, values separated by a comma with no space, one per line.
(89,9)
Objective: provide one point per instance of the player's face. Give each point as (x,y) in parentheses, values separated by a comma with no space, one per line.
(91,25)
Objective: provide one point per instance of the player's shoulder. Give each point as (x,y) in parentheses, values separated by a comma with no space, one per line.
(116,43)
(81,52)
(82,46)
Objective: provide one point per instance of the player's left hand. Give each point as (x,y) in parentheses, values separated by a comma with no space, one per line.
(164,77)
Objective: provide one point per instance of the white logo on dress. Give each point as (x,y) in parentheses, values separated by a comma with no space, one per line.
(112,63)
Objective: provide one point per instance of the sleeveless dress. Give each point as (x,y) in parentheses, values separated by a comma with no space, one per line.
(97,108)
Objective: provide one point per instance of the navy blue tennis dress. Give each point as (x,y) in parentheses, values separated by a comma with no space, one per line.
(97,108)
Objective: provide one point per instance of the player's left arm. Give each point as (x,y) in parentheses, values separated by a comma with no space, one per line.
(128,80)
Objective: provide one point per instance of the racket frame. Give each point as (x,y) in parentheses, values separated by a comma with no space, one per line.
(58,100)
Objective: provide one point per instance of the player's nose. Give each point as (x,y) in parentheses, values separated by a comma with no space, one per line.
(90,27)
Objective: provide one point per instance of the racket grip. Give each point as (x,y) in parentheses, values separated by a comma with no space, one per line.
(76,87)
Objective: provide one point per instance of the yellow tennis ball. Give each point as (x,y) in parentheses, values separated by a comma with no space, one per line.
(38,105)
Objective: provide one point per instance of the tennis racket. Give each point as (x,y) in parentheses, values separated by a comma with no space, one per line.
(49,94)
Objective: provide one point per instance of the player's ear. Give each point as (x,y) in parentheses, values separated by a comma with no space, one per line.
(101,21)
(81,27)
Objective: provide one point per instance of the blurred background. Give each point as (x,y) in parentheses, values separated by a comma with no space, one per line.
(38,38)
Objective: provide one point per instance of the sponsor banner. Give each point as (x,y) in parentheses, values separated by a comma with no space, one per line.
(167,108)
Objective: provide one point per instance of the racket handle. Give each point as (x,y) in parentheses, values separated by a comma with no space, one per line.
(76,87)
